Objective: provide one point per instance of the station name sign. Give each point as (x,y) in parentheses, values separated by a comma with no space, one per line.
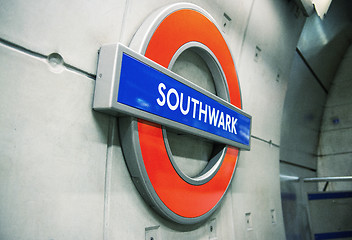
(130,84)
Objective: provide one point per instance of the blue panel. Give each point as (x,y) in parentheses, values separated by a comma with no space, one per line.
(145,88)
(329,195)
(332,235)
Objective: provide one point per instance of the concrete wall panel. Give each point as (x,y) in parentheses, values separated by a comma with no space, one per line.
(335,142)
(255,194)
(266,58)
(53,151)
(302,114)
(335,138)
(75,29)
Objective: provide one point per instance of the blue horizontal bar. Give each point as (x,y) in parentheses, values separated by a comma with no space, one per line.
(145,88)
(332,235)
(329,195)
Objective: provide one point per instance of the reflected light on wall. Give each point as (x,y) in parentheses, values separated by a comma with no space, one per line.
(321,35)
(288,178)
(322,6)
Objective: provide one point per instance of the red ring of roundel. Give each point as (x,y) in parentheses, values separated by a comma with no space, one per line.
(182,198)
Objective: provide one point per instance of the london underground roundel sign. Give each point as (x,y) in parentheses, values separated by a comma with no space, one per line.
(134,82)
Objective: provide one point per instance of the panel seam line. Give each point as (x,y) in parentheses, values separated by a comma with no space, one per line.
(311,70)
(44,57)
(270,142)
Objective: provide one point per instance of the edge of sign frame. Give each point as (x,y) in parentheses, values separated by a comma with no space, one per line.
(106,91)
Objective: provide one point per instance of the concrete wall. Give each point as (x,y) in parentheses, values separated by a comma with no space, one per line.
(308,127)
(63,173)
(335,140)
(303,110)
